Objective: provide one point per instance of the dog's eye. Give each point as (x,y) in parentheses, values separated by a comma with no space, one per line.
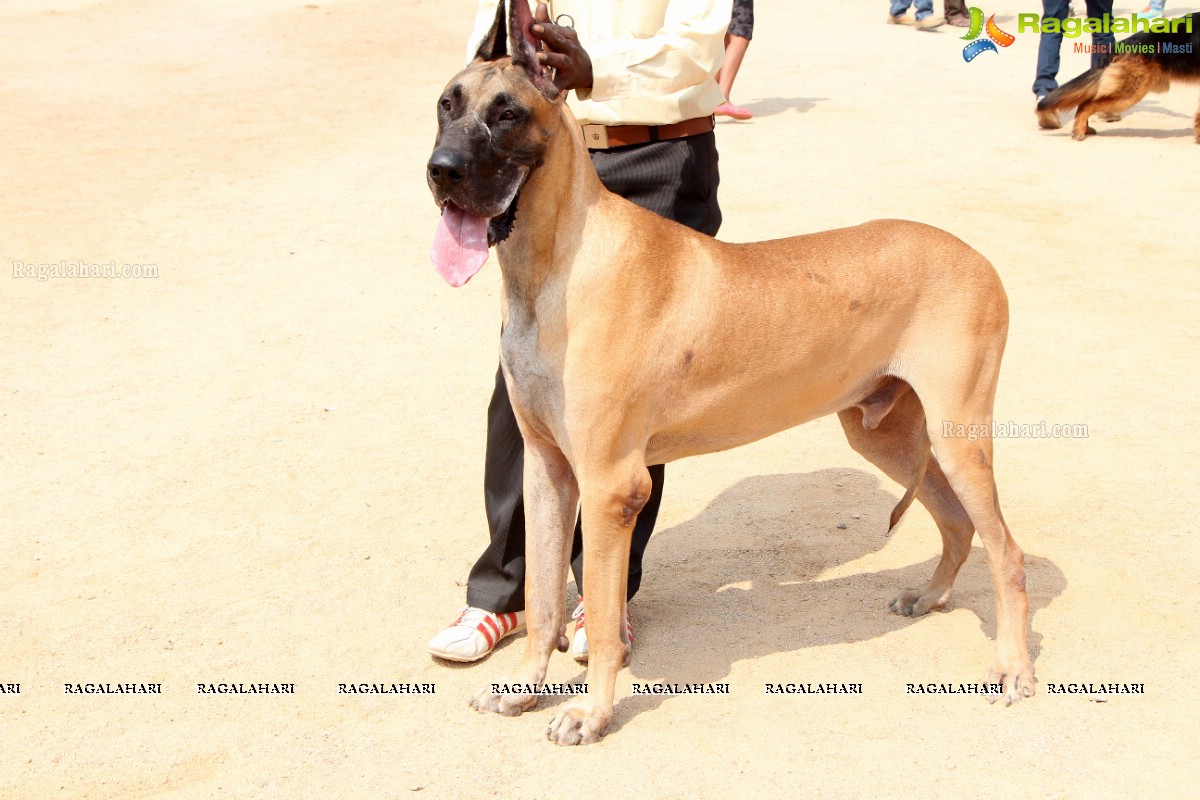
(507,115)
(445,104)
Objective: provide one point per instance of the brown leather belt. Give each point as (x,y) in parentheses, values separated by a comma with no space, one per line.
(603,137)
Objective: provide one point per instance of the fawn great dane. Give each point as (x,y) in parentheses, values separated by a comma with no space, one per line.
(631,340)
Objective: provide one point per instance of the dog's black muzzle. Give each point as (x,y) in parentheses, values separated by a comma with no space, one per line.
(447,168)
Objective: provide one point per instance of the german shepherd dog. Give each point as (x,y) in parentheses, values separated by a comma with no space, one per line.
(1129,77)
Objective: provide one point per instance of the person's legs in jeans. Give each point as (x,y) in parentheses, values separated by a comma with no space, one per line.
(1048,47)
(1105,43)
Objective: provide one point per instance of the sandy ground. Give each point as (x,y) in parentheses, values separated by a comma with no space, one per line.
(265,464)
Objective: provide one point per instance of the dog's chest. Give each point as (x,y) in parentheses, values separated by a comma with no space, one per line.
(533,360)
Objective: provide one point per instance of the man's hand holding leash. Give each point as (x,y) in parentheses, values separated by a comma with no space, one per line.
(562,51)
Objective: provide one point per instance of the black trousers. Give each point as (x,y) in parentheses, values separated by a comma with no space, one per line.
(676,179)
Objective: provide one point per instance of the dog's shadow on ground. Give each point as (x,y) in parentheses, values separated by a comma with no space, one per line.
(1145,133)
(1151,106)
(777,105)
(739,580)
(1122,129)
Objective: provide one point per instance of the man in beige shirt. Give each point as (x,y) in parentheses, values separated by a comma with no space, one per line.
(641,81)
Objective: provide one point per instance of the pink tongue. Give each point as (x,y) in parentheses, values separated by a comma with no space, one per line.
(460,246)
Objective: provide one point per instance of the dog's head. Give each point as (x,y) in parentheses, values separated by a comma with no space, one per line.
(494,123)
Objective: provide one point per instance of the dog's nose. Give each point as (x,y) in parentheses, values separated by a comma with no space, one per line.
(447,167)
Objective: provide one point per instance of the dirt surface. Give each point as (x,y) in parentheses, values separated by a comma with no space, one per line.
(264,465)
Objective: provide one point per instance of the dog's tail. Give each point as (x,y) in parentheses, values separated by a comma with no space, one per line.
(1115,88)
(911,492)
(1073,93)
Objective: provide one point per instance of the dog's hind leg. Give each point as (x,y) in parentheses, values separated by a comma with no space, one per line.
(1122,86)
(551,497)
(1081,130)
(966,399)
(612,496)
(898,443)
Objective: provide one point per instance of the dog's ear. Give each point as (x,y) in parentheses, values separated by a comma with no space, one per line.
(524,46)
(495,44)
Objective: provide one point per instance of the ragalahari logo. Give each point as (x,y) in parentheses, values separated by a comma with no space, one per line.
(995,36)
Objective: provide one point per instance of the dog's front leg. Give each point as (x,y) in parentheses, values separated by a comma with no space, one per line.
(551,497)
(610,508)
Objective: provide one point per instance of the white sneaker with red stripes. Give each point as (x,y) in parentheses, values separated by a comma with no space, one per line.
(579,644)
(473,635)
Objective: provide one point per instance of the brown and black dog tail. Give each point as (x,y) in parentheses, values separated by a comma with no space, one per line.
(1074,92)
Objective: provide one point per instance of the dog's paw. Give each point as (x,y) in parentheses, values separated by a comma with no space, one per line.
(580,723)
(1017,682)
(916,604)
(487,701)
